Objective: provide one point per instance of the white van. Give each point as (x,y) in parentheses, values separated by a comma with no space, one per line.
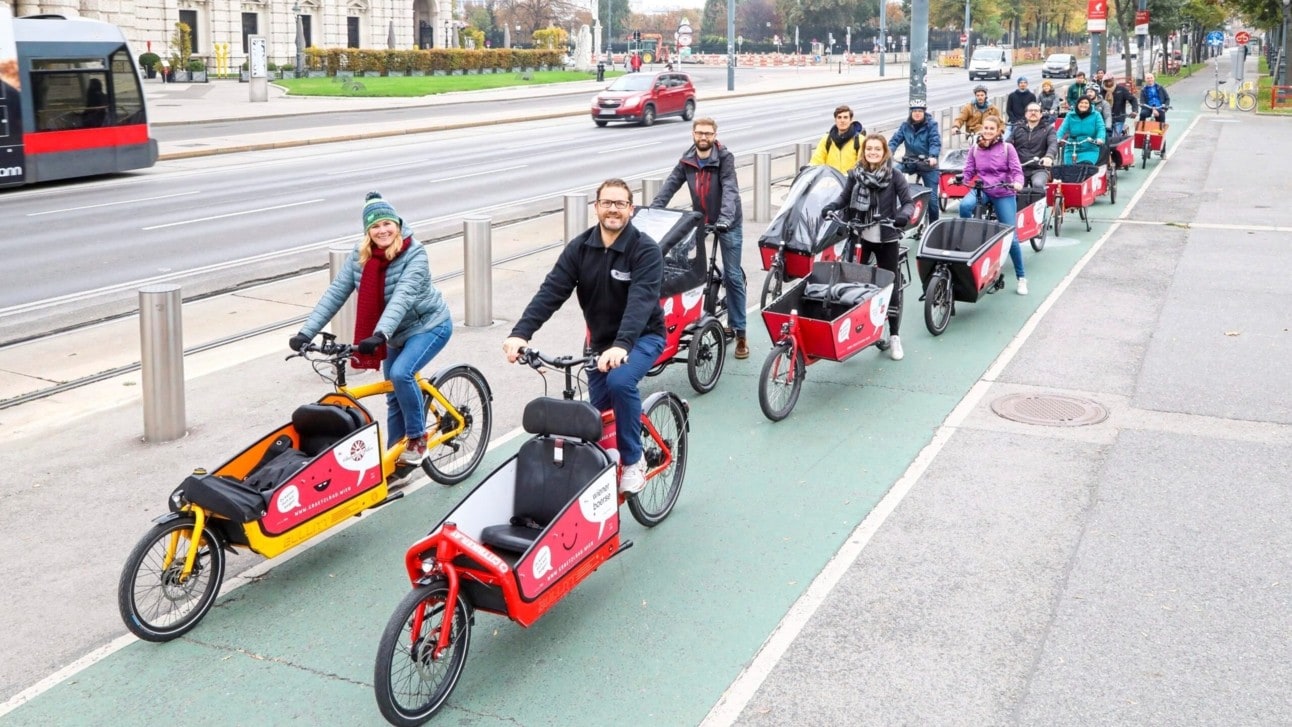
(990,61)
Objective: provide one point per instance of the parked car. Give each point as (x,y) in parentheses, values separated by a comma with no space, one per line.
(644,97)
(990,61)
(1059,65)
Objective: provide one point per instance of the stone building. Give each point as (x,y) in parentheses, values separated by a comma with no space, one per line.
(150,24)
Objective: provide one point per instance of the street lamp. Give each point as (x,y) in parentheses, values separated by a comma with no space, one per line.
(1287,42)
(300,37)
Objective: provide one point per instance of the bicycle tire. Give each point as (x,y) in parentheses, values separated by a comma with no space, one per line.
(783,369)
(456,459)
(773,285)
(1214,99)
(1059,212)
(414,663)
(200,594)
(705,356)
(937,304)
(1112,185)
(656,500)
(1246,101)
(1147,152)
(1038,242)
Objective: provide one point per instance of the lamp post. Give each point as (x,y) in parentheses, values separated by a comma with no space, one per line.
(300,37)
(1287,42)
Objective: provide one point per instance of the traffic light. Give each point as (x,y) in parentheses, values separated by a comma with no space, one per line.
(637,35)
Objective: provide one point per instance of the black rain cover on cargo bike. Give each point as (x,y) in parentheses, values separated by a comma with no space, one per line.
(799,223)
(678,233)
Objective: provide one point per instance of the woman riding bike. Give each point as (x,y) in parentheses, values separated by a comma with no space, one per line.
(874,193)
(1083,123)
(402,321)
(996,164)
(1049,101)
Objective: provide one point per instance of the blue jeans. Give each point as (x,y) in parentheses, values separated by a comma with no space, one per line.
(930,179)
(733,278)
(1007,212)
(405,406)
(617,390)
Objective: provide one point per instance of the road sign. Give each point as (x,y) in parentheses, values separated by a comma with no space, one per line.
(1241,37)
(1215,37)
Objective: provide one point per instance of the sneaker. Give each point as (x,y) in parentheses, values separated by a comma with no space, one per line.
(632,479)
(895,348)
(414,451)
(1022,286)
(742,347)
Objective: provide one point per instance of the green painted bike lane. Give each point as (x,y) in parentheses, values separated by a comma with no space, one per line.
(657,634)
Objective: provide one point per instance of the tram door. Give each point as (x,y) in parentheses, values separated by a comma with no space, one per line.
(12,161)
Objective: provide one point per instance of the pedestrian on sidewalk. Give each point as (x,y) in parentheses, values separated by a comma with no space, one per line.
(922,138)
(402,321)
(617,272)
(709,171)
(841,146)
(874,192)
(996,162)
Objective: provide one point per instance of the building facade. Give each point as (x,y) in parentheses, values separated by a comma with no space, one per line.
(150,24)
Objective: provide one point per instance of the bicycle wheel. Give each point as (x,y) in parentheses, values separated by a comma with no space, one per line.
(454,460)
(1147,152)
(1246,100)
(773,284)
(780,381)
(937,304)
(1112,185)
(410,683)
(1214,99)
(705,356)
(1038,242)
(650,506)
(1058,212)
(154,603)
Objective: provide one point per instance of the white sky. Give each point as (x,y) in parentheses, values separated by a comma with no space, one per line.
(656,6)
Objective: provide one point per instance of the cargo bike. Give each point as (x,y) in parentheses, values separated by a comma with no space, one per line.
(1150,139)
(525,537)
(960,261)
(1076,185)
(1034,215)
(798,237)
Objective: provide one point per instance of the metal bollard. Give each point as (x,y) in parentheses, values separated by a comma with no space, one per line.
(803,154)
(650,188)
(576,215)
(343,321)
(161,358)
(762,186)
(477,270)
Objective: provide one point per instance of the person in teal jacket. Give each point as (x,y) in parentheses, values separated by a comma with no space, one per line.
(1084,123)
(402,321)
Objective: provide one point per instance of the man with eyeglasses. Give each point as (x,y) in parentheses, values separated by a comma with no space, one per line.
(709,171)
(1033,138)
(616,272)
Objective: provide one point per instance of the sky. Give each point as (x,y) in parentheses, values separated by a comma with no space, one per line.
(656,6)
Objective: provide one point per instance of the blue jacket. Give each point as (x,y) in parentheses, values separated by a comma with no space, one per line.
(922,140)
(413,304)
(1074,127)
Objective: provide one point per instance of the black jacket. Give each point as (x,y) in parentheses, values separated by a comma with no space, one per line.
(1034,143)
(1122,96)
(712,183)
(893,202)
(1016,105)
(618,289)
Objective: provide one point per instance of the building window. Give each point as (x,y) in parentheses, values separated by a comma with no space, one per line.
(352,32)
(250,26)
(189,18)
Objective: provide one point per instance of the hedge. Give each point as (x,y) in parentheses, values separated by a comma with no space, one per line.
(359,60)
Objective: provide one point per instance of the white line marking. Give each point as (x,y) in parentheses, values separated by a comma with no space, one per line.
(734,700)
(379,166)
(109,204)
(1235,227)
(233,214)
(478,174)
(634,146)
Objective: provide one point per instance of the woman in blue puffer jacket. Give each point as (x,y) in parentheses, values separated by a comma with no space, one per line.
(1084,123)
(402,321)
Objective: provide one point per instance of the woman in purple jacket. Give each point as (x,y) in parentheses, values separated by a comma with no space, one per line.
(996,163)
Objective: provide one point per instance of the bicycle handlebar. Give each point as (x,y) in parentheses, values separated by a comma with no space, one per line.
(329,350)
(535,359)
(853,225)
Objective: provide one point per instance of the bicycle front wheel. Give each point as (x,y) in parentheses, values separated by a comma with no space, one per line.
(454,460)
(706,354)
(650,506)
(411,683)
(780,381)
(937,304)
(1214,99)
(156,602)
(1246,101)
(772,286)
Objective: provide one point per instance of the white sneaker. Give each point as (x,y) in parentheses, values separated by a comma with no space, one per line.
(633,478)
(1022,286)
(895,348)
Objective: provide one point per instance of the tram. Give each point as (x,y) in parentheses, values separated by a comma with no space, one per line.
(71,103)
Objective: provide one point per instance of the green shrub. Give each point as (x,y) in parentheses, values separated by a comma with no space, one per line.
(149,60)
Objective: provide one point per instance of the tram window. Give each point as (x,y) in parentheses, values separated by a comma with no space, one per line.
(70,93)
(127,95)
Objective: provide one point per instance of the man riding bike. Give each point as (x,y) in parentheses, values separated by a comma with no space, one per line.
(971,114)
(920,135)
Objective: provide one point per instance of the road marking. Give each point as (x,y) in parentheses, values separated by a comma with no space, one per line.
(109,204)
(1228,227)
(233,214)
(379,166)
(613,150)
(479,174)
(737,696)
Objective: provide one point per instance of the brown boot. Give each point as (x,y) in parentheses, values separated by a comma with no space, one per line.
(742,347)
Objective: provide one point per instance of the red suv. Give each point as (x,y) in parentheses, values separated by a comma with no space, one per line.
(644,97)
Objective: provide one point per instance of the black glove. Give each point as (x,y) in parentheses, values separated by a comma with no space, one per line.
(828,209)
(722,226)
(372,343)
(901,222)
(297,342)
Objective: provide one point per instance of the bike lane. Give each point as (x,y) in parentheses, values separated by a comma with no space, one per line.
(655,636)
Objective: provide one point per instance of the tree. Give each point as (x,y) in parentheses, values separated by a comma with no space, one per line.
(714,19)
(614,16)
(758,20)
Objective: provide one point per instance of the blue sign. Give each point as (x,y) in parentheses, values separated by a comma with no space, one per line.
(1215,37)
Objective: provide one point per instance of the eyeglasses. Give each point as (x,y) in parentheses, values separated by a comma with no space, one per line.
(1033,111)
(618,204)
(704,134)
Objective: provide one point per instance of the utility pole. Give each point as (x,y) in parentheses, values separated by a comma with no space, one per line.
(968,35)
(883,34)
(731,45)
(919,49)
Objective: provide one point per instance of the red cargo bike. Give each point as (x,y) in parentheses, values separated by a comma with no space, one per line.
(1150,138)
(798,237)
(959,261)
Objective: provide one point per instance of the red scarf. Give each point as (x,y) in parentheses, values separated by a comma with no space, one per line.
(372,302)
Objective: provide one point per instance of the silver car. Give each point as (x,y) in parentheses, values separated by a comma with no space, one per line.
(1059,65)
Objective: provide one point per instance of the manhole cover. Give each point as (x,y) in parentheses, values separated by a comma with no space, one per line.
(1049,410)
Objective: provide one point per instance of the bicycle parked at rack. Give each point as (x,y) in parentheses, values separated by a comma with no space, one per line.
(1244,98)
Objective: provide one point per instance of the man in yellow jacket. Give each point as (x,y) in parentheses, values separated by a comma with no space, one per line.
(842,145)
(972,113)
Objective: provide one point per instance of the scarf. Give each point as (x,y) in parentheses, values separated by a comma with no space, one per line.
(840,139)
(372,302)
(869,182)
(984,144)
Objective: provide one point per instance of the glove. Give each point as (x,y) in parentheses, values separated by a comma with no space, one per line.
(297,342)
(370,344)
(826,210)
(901,222)
(722,226)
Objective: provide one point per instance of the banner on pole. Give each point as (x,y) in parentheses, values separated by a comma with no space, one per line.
(1097,16)
(1141,22)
